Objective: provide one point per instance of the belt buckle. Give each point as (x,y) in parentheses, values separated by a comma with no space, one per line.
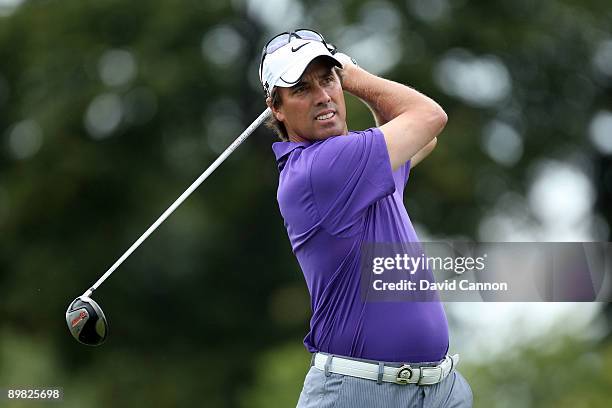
(403,374)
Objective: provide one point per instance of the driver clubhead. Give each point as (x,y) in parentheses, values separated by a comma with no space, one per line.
(86,321)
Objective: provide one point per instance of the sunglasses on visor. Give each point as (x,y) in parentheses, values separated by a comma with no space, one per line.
(283,39)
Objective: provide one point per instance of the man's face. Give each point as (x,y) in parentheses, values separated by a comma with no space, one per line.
(313,109)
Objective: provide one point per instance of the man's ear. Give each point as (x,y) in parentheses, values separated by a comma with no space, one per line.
(275,111)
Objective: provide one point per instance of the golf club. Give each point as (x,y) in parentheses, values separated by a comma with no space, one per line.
(84,316)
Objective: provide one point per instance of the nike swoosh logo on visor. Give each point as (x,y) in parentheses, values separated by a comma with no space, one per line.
(296,49)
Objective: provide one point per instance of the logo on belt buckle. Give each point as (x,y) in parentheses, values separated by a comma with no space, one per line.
(403,374)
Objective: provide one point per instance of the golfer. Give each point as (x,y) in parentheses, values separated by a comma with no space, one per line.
(337,190)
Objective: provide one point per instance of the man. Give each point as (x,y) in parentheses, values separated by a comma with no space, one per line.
(339,190)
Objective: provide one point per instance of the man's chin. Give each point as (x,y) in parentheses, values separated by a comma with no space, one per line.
(326,135)
(328,132)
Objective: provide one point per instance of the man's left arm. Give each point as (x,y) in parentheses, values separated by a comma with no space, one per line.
(379,117)
(423,153)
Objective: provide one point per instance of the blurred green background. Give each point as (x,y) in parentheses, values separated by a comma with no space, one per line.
(110,109)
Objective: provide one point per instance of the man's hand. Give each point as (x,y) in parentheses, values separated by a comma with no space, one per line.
(348,64)
(345,60)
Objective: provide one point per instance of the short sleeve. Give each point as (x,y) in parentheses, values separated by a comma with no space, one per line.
(348,174)
(403,173)
(406,170)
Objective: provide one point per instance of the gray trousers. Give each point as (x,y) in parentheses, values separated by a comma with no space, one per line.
(340,391)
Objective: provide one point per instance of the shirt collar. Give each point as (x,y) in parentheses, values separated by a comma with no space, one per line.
(283,149)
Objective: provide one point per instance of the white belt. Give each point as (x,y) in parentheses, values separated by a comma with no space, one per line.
(379,372)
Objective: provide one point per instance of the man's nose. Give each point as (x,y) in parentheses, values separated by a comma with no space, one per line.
(321,95)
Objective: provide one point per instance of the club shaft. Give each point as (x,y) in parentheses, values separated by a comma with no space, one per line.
(247,132)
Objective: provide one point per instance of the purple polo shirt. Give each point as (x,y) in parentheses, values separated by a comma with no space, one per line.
(334,196)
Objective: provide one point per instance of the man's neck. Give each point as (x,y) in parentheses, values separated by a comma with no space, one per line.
(297,139)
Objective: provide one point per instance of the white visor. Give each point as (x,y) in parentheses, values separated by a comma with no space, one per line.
(285,66)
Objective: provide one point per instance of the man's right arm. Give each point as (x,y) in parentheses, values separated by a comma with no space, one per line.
(408,119)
